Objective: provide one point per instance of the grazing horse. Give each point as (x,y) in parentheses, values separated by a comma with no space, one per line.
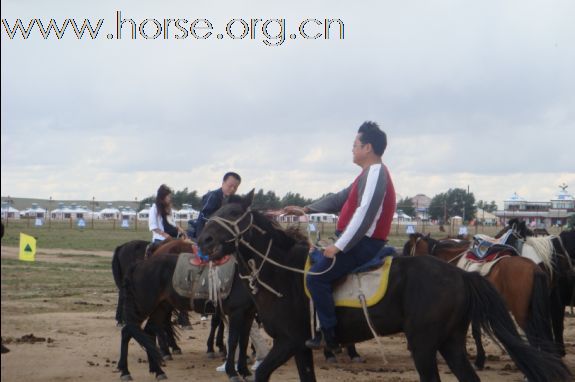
(556,261)
(134,251)
(523,286)
(427,299)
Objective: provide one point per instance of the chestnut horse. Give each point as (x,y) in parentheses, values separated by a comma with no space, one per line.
(521,283)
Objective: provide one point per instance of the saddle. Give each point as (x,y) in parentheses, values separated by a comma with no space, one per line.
(485,248)
(193,278)
(369,281)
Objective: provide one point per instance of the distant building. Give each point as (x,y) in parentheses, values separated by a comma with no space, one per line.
(186,213)
(35,212)
(555,212)
(9,212)
(421,204)
(323,218)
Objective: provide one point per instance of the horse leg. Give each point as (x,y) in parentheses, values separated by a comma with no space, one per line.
(454,353)
(155,332)
(304,363)
(354,355)
(557,319)
(279,354)
(184,319)
(210,342)
(120,319)
(424,353)
(235,327)
(329,356)
(243,340)
(123,362)
(171,336)
(220,337)
(480,356)
(155,321)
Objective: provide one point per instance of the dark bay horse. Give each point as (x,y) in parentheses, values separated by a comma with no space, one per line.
(521,283)
(149,294)
(433,315)
(134,251)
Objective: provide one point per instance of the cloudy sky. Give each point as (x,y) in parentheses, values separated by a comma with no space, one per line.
(478,94)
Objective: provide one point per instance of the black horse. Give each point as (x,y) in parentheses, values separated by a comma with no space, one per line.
(134,251)
(561,273)
(430,301)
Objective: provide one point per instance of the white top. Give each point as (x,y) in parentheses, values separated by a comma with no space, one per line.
(155,222)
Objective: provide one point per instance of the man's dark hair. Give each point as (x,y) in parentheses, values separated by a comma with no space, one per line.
(372,134)
(232,174)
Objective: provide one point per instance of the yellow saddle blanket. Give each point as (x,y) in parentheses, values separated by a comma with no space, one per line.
(371,284)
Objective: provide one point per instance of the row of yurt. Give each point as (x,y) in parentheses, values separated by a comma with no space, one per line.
(184,214)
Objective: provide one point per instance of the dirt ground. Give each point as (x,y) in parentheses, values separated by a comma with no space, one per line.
(84,346)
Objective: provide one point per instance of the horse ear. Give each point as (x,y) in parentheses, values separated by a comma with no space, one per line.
(248,199)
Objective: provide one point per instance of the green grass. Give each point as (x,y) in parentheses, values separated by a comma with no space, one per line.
(103,237)
(75,285)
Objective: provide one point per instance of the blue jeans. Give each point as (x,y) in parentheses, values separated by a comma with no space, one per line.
(320,287)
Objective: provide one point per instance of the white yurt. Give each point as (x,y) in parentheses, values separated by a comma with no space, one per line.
(400,217)
(323,218)
(110,212)
(145,212)
(34,212)
(186,213)
(9,212)
(127,213)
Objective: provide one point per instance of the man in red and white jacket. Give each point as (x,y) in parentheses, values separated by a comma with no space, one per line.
(366,211)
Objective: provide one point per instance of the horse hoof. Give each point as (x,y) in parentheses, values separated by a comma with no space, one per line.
(358,360)
(211,355)
(126,377)
(177,352)
(167,357)
(331,360)
(161,377)
(236,378)
(249,378)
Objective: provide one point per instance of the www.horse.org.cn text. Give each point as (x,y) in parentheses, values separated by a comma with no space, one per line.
(271,32)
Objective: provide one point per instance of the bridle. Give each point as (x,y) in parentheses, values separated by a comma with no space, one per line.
(434,244)
(233,227)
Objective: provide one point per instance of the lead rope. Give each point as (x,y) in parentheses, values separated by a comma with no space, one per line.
(363,302)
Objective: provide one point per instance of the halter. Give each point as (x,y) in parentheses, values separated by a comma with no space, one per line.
(414,246)
(233,227)
(433,248)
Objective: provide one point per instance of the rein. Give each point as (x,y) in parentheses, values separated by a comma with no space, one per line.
(232,226)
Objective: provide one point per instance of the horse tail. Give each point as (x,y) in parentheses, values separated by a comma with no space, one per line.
(117,267)
(488,310)
(538,329)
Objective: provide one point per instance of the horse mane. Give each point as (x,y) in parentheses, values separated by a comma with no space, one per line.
(544,249)
(285,238)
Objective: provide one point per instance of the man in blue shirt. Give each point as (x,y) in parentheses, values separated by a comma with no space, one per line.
(212,201)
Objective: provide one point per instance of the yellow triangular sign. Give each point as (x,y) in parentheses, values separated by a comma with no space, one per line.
(27,247)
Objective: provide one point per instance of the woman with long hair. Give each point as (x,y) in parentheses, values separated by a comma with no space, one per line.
(160,219)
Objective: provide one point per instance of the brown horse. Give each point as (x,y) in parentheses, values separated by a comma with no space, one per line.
(522,284)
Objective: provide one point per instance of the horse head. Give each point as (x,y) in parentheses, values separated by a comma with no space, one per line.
(418,244)
(224,229)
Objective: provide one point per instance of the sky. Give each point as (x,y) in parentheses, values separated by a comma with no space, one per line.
(470,94)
